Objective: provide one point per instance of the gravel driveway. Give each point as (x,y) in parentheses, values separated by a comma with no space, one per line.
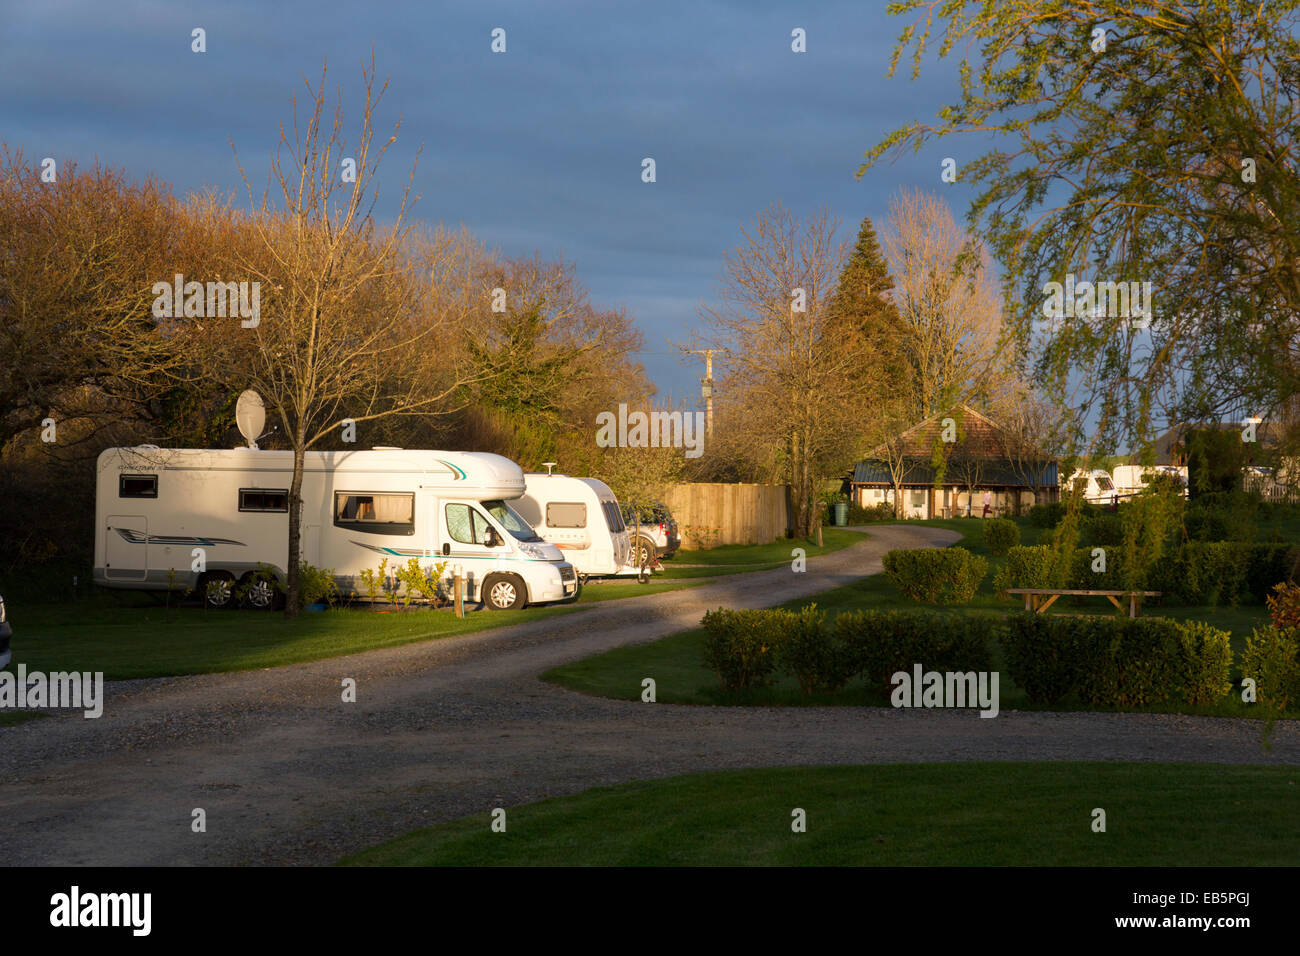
(287,773)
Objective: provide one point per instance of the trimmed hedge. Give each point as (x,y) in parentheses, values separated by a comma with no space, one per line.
(1000,535)
(744,648)
(934,575)
(1117,662)
(881,643)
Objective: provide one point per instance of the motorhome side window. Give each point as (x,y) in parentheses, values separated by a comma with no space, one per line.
(137,486)
(560,514)
(466,525)
(262,499)
(375,513)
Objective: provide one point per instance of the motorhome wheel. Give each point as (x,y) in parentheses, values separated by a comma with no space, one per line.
(504,592)
(218,590)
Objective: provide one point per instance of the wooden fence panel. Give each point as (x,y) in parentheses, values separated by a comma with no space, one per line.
(713,513)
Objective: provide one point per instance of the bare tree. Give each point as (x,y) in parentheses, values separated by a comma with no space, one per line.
(949,305)
(801,375)
(345,329)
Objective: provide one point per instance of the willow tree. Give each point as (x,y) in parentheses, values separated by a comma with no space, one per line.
(1140,142)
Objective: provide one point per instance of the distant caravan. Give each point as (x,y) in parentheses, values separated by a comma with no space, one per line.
(167,519)
(582,518)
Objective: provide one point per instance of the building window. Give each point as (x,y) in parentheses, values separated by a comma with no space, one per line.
(263,499)
(918,499)
(374,512)
(564,514)
(137,486)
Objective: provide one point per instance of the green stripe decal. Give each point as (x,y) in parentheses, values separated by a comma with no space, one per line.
(460,475)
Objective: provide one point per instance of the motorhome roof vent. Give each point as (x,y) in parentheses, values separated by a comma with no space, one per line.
(386,448)
(549,466)
(151,447)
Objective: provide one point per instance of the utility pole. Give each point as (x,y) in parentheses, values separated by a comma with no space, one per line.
(706,387)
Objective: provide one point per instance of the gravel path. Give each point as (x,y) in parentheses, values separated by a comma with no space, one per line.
(287,773)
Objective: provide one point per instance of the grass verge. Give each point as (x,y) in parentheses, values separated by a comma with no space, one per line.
(951,814)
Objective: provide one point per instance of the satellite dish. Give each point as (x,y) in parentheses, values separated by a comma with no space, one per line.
(250,416)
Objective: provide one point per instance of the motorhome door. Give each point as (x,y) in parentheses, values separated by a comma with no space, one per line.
(126,547)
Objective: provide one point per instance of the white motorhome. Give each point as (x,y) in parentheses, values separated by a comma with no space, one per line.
(1097,485)
(582,518)
(159,511)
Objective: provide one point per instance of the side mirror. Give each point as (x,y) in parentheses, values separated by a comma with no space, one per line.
(446,548)
(493,541)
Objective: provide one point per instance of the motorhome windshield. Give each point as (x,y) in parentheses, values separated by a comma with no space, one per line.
(511,521)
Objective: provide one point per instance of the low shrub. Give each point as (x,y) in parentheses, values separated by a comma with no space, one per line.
(934,575)
(878,644)
(1044,654)
(1284,606)
(1270,659)
(1000,535)
(811,653)
(742,647)
(1048,515)
(316,585)
(1101,529)
(1027,566)
(881,511)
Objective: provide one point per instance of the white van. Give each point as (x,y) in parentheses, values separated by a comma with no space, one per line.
(173,518)
(582,518)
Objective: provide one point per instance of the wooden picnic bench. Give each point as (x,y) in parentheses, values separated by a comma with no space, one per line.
(1034,597)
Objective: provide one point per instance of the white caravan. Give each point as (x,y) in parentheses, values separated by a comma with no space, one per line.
(581,517)
(1131,479)
(172,518)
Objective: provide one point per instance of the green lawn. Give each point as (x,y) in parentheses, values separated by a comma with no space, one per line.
(127,635)
(774,553)
(151,641)
(676,661)
(951,814)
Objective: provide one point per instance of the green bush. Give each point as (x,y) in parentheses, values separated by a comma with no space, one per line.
(1027,566)
(742,647)
(1270,658)
(316,585)
(934,575)
(1001,534)
(1048,515)
(1101,529)
(813,655)
(878,644)
(1206,663)
(1116,662)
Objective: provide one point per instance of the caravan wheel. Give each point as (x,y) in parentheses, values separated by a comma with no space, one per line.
(217,589)
(260,595)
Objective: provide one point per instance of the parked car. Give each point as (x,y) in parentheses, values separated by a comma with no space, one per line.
(6,632)
(657,536)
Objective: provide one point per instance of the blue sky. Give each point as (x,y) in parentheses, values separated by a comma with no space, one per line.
(538,149)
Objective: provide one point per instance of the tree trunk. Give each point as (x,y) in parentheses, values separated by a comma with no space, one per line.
(292,585)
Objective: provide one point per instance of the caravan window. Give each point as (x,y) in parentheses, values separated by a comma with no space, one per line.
(612,516)
(466,525)
(262,499)
(137,486)
(375,513)
(566,514)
